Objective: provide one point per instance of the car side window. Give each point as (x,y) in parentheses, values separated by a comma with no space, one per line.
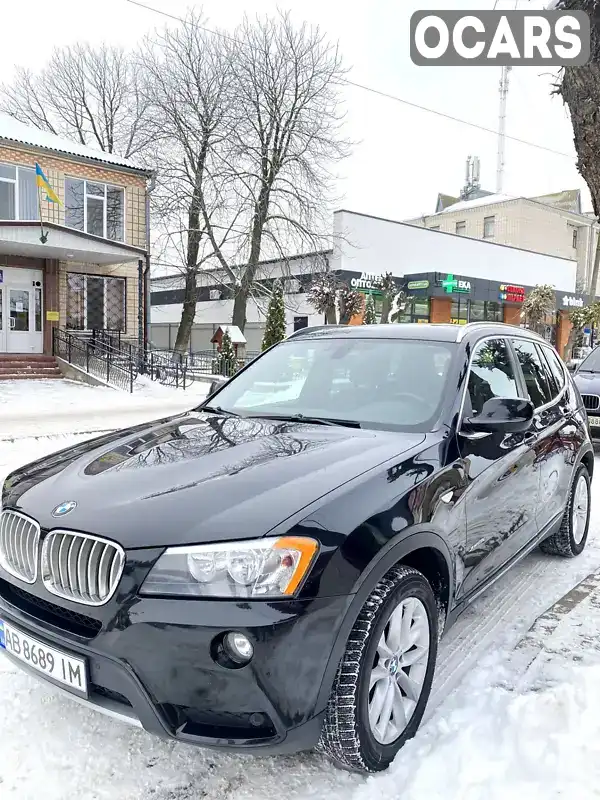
(491,375)
(556,367)
(538,378)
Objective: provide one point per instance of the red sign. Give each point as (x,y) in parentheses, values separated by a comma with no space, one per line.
(512,294)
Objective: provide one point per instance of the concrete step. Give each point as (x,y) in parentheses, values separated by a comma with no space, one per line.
(28,364)
(40,373)
(30,376)
(27,357)
(16,367)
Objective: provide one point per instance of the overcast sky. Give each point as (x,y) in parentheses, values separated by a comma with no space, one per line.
(404,156)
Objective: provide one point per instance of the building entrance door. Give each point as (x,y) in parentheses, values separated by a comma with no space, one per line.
(21,311)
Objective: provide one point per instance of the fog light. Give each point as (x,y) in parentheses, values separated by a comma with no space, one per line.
(239,647)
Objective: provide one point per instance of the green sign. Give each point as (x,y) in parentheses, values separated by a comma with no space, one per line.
(417,285)
(451,285)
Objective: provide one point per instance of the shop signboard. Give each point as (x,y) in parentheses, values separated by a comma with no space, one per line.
(413,285)
(511,294)
(452,285)
(368,281)
(569,301)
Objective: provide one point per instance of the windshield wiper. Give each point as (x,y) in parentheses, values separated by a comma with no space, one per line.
(218,410)
(347,423)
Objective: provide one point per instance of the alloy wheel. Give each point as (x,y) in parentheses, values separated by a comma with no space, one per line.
(399,670)
(581,501)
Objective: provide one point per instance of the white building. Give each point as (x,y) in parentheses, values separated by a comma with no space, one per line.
(552,224)
(365,248)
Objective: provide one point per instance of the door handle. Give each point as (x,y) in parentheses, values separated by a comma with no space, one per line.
(529,438)
(13,323)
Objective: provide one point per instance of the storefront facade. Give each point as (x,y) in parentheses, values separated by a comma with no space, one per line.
(458,299)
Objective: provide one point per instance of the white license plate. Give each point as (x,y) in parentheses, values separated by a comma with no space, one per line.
(594,422)
(46,660)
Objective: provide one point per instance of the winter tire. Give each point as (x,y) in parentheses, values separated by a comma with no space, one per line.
(384,678)
(571,537)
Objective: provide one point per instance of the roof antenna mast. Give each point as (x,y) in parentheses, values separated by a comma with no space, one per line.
(502,129)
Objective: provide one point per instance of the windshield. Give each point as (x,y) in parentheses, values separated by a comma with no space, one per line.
(592,362)
(382,383)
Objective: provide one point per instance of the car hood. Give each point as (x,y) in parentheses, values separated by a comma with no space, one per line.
(587,382)
(197,477)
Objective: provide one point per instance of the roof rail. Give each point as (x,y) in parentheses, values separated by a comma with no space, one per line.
(464,329)
(313,328)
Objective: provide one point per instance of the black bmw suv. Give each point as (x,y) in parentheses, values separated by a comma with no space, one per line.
(272,571)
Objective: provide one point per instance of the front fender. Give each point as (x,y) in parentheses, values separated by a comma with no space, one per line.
(386,558)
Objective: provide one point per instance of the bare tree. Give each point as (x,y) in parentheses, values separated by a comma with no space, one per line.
(285,142)
(90,95)
(188,90)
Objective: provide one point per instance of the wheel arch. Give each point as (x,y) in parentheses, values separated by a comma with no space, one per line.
(587,459)
(425,551)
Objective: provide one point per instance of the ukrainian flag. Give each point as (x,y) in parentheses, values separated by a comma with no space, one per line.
(42,182)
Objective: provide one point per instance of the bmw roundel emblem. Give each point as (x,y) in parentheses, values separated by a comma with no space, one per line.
(64,508)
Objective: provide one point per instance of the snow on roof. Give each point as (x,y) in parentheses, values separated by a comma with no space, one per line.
(14,131)
(237,337)
(490,199)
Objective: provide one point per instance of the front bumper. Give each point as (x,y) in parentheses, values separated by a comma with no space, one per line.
(593,420)
(152,665)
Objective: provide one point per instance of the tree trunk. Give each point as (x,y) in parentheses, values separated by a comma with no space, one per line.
(188,313)
(386,308)
(594,278)
(240,304)
(580,90)
(330,316)
(184,331)
(568,349)
(242,293)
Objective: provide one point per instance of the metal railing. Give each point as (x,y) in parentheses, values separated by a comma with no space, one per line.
(118,361)
(116,367)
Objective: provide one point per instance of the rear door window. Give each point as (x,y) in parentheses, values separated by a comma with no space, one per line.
(538,378)
(556,367)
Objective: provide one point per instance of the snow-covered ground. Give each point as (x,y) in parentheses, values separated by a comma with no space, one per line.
(505,719)
(62,406)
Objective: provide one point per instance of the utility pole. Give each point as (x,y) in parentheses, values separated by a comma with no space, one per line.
(502,129)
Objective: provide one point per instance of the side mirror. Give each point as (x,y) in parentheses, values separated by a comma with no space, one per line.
(503,415)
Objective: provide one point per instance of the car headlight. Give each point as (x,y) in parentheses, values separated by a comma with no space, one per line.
(255,569)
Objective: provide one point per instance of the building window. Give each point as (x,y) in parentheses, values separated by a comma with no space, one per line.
(95,208)
(489,225)
(459,313)
(95,302)
(484,311)
(300,322)
(416,311)
(461,228)
(18,193)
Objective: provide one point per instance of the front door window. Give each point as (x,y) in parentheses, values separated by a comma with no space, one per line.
(19,310)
